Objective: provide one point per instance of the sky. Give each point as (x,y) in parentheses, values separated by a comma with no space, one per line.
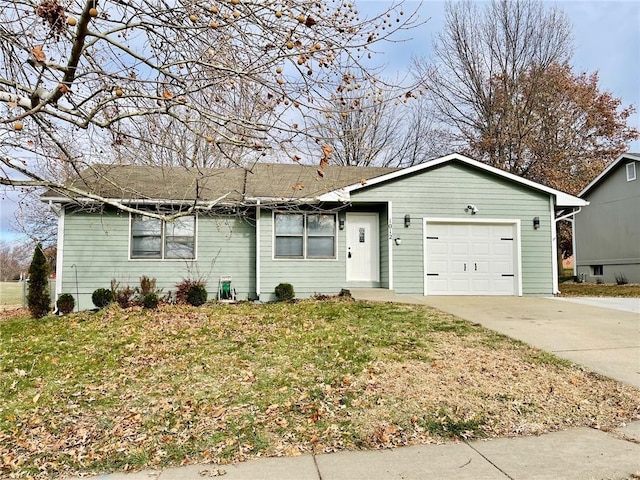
(606,38)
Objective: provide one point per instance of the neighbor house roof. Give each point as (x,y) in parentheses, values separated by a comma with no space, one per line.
(596,181)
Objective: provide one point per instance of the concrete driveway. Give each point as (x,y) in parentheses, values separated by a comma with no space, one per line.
(604,340)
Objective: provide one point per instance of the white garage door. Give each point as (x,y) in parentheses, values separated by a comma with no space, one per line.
(470,259)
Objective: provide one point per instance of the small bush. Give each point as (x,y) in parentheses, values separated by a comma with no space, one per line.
(150,301)
(147,286)
(125,296)
(182,289)
(284,292)
(102,297)
(66,303)
(621,279)
(196,295)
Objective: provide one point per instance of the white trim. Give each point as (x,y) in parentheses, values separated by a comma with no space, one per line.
(573,247)
(162,242)
(304,213)
(495,221)
(60,256)
(258,263)
(554,250)
(562,199)
(390,242)
(630,178)
(611,166)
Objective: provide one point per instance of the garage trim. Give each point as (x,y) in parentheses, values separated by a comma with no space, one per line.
(501,221)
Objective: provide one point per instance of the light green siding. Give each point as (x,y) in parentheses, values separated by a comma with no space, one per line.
(96,248)
(444,192)
(307,276)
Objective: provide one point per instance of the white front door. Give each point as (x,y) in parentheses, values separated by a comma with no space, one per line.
(470,259)
(363,252)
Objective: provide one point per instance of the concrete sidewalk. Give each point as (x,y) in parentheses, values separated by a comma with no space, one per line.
(580,454)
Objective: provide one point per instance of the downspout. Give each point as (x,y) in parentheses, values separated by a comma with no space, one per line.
(573,247)
(390,241)
(59,212)
(554,250)
(258,249)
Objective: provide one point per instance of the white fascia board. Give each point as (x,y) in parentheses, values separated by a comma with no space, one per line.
(340,195)
(142,201)
(611,166)
(266,201)
(562,199)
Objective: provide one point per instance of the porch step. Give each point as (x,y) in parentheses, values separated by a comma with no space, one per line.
(373,294)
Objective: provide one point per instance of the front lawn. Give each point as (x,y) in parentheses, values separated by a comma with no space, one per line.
(121,390)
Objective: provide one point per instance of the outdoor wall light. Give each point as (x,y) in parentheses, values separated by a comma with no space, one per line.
(341,223)
(398,241)
(407,220)
(536,223)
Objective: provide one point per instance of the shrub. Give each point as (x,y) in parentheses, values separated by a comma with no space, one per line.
(621,279)
(284,292)
(123,295)
(196,295)
(38,298)
(147,286)
(182,289)
(102,297)
(150,301)
(66,303)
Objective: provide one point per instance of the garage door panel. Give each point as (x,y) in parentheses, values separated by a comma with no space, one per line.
(438,248)
(458,266)
(460,285)
(481,267)
(502,267)
(503,249)
(478,248)
(459,248)
(438,285)
(437,266)
(470,259)
(503,284)
(481,285)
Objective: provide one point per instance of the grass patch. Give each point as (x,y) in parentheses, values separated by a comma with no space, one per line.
(570,289)
(11,293)
(132,389)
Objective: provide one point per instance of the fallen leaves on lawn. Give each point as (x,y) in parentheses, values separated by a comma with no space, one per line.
(126,390)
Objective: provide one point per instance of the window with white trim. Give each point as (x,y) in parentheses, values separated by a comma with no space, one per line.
(152,238)
(631,171)
(305,235)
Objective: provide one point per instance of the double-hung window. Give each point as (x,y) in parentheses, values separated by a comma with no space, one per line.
(305,235)
(155,238)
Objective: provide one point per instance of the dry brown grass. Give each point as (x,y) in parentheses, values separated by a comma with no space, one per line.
(138,389)
(571,289)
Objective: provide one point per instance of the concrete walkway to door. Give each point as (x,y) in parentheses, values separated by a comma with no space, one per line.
(604,340)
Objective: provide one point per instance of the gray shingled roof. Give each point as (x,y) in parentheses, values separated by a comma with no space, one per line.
(265,181)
